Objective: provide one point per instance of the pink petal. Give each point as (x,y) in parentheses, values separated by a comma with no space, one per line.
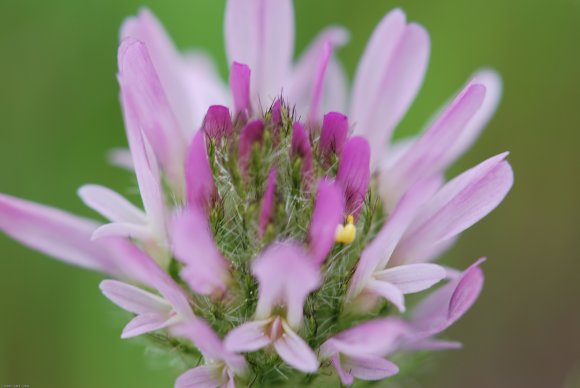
(300,88)
(370,368)
(328,213)
(377,337)
(319,80)
(143,268)
(449,303)
(387,291)
(111,204)
(387,79)
(134,299)
(218,122)
(354,173)
(205,376)
(153,115)
(286,275)
(206,340)
(168,65)
(121,157)
(378,253)
(412,278)
(240,86)
(123,229)
(345,376)
(248,337)
(252,133)
(261,35)
(267,206)
(457,206)
(206,270)
(295,351)
(493,90)
(428,155)
(145,323)
(333,134)
(201,190)
(144,162)
(301,148)
(55,233)
(204,85)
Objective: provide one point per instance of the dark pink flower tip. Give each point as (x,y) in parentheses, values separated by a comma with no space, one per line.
(301,148)
(267,209)
(354,173)
(328,213)
(277,113)
(333,134)
(218,122)
(201,190)
(252,133)
(240,86)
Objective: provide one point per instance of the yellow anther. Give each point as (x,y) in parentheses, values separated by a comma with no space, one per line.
(346,234)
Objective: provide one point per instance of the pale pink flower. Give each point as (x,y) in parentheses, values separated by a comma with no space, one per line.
(286,275)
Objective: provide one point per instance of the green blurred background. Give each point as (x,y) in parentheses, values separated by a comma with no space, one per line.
(59,114)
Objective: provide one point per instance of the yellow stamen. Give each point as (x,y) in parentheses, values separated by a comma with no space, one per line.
(346,234)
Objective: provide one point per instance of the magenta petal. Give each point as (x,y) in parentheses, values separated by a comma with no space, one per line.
(144,323)
(55,233)
(205,376)
(286,275)
(328,213)
(458,205)
(295,351)
(206,270)
(240,86)
(261,35)
(248,337)
(201,188)
(333,134)
(354,173)
(370,367)
(267,206)
(218,122)
(141,86)
(134,299)
(301,148)
(252,133)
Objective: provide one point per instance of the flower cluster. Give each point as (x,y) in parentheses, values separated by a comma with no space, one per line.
(278,236)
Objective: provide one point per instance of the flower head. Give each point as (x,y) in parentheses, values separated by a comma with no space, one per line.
(272,216)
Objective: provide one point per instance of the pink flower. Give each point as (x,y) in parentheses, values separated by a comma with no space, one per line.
(267,190)
(286,276)
(360,351)
(221,366)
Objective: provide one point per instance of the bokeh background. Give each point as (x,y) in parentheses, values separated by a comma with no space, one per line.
(59,113)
